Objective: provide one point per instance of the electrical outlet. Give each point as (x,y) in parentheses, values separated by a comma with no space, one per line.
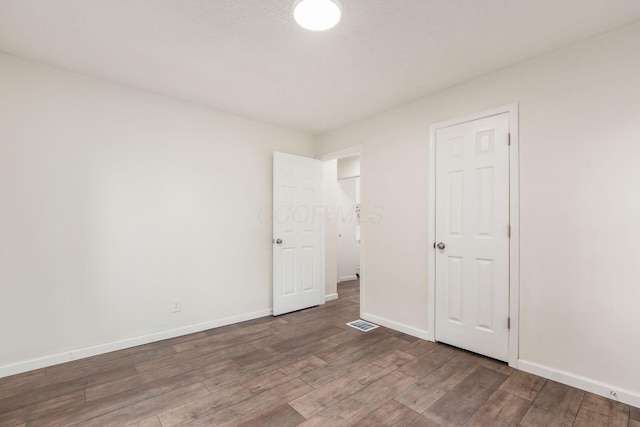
(176,305)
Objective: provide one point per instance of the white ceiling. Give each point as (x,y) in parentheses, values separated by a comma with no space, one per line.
(249,57)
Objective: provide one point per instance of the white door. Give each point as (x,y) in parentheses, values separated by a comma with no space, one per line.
(472,233)
(298,250)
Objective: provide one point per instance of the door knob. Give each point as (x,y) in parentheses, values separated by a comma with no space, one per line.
(441,245)
(279,241)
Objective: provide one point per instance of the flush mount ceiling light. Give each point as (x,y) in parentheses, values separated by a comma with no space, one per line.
(317,15)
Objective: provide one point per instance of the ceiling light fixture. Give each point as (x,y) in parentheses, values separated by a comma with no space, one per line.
(317,15)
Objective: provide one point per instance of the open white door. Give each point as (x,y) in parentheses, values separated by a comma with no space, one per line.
(298,250)
(472,235)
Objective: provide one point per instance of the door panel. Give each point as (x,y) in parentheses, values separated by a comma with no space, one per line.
(298,250)
(472,219)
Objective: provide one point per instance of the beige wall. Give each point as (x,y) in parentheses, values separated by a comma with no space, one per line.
(579,210)
(113,202)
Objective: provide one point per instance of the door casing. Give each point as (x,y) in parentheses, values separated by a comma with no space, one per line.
(514,243)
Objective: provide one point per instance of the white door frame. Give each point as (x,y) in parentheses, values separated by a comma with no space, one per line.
(334,155)
(514,215)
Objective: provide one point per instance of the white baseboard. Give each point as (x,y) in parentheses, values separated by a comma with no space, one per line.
(347,278)
(55,359)
(330,297)
(587,384)
(396,326)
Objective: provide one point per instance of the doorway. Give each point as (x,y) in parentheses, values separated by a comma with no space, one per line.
(473,213)
(342,176)
(348,171)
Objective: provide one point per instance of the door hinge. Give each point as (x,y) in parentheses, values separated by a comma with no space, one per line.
(508,322)
(509,139)
(509,230)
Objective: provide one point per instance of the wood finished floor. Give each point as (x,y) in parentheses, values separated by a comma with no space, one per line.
(305,368)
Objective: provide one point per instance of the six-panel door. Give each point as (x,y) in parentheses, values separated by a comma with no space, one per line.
(472,220)
(297,233)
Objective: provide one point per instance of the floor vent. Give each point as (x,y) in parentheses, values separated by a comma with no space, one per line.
(361,325)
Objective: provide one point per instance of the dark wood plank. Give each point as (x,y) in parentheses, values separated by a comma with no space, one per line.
(325,396)
(324,375)
(110,360)
(502,409)
(118,401)
(419,347)
(458,405)
(8,385)
(599,411)
(422,421)
(390,414)
(147,422)
(380,367)
(148,407)
(254,356)
(345,336)
(429,361)
(495,365)
(32,412)
(360,404)
(189,360)
(62,387)
(258,405)
(259,372)
(556,404)
(356,344)
(524,385)
(245,335)
(148,379)
(201,408)
(282,416)
(272,378)
(287,358)
(434,386)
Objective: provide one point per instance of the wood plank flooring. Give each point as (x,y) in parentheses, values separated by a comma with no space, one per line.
(302,369)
